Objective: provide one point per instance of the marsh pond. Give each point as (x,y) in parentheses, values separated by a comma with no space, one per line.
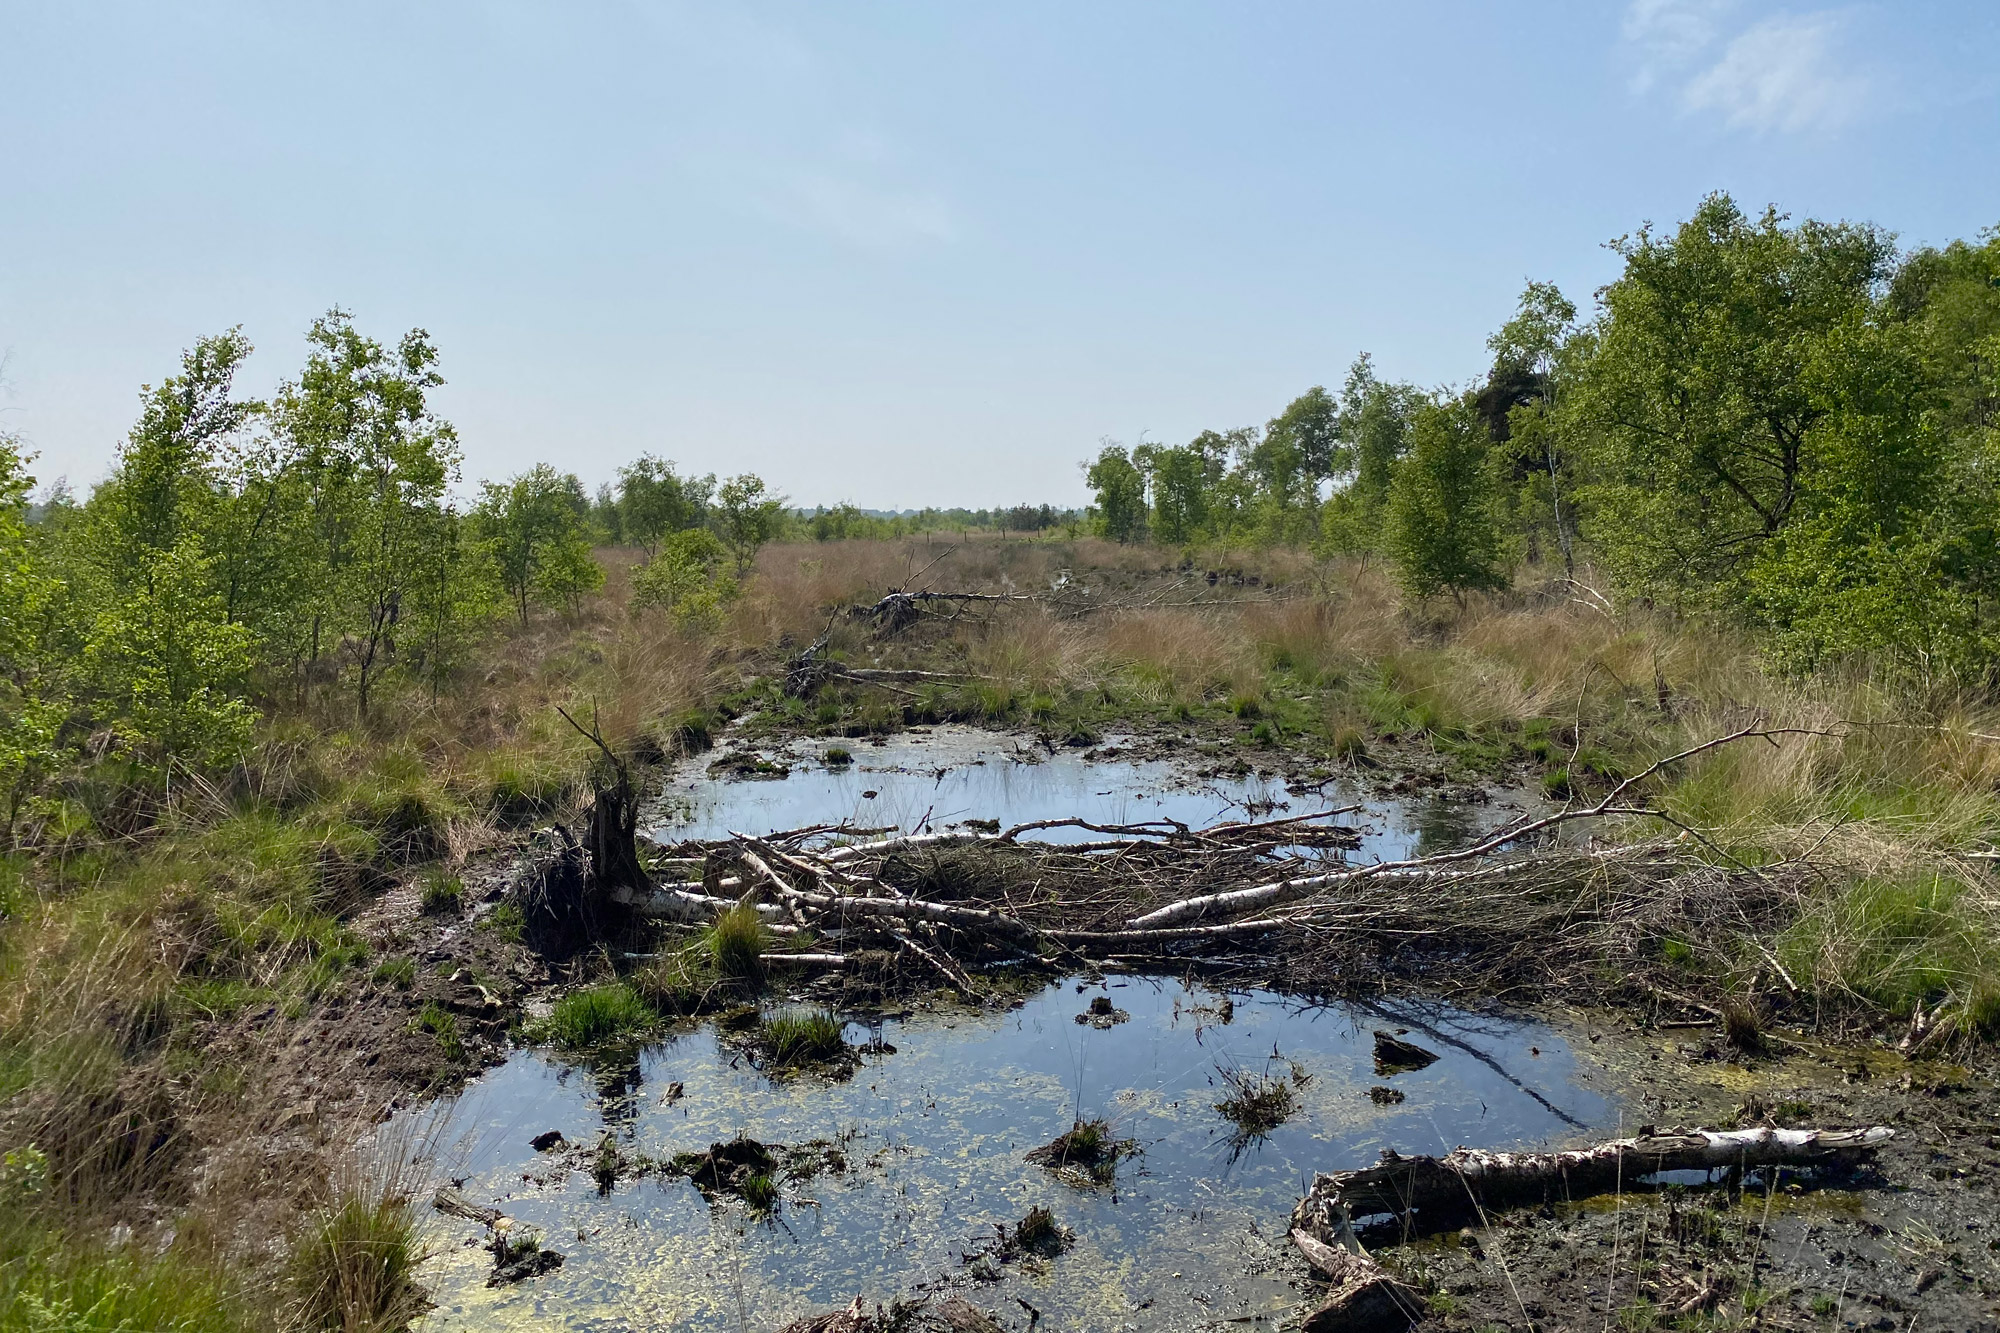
(909,1173)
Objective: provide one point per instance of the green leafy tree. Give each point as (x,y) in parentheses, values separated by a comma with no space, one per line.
(29,720)
(1289,459)
(372,465)
(1121,494)
(164,486)
(1183,480)
(1441,534)
(1374,432)
(685,578)
(654,500)
(1707,392)
(539,547)
(173,667)
(1532,354)
(746,517)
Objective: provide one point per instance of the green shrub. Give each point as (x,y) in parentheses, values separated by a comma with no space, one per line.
(587,1018)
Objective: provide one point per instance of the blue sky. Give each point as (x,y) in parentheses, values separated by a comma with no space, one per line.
(908,254)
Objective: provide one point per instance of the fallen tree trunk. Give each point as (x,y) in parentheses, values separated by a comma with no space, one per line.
(1404,1186)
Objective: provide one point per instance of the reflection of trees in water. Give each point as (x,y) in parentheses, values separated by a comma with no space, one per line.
(1443,826)
(1468,1031)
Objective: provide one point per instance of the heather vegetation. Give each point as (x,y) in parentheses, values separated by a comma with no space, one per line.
(283,662)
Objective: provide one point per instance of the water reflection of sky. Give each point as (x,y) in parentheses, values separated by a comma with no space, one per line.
(955,773)
(1191,1234)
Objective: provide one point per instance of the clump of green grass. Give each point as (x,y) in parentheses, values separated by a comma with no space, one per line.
(737,942)
(353,1265)
(588,1018)
(58,1282)
(1924,941)
(442,894)
(1257,1103)
(807,1037)
(759,1192)
(1087,1148)
(441,1023)
(398,972)
(509,922)
(838,756)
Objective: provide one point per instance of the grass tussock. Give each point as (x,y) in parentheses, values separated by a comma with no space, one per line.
(1088,1149)
(590,1018)
(799,1037)
(736,943)
(1257,1103)
(354,1257)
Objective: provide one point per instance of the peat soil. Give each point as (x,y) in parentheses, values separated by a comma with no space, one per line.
(1912,1243)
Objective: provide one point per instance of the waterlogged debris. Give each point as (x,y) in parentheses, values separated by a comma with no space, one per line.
(748,764)
(1362,1296)
(1393,1055)
(546,1140)
(1084,1152)
(518,1257)
(751,1170)
(955,1315)
(725,1168)
(1419,1189)
(1257,1102)
(1102,1016)
(1385,1096)
(1038,1235)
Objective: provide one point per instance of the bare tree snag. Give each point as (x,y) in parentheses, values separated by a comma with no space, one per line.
(612,834)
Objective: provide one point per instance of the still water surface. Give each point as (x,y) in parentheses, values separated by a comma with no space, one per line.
(1190,1235)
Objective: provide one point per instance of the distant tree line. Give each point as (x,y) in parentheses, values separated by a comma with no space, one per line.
(1789,424)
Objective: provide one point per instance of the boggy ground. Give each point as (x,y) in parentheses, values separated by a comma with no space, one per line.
(269,977)
(1911,1240)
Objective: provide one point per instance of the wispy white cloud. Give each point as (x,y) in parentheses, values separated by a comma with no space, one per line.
(1669,33)
(1787,73)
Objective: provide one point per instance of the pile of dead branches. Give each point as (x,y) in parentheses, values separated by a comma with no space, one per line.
(1523,908)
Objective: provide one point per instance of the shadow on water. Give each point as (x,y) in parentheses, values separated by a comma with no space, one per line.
(1187,1235)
